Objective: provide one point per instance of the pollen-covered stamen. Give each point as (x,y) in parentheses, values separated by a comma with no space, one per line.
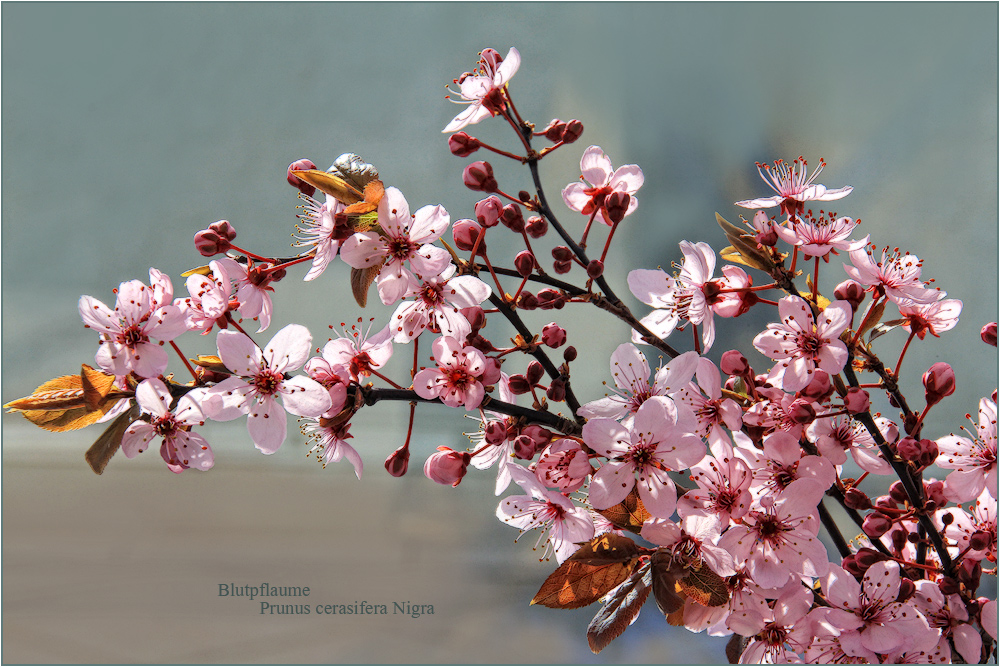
(770,529)
(541,516)
(809,344)
(166,426)
(773,635)
(431,295)
(266,382)
(788,180)
(132,336)
(401,248)
(641,454)
(459,378)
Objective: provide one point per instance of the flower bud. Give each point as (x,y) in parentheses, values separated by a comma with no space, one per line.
(898,492)
(495,432)
(524,447)
(540,435)
(295,181)
(476,317)
(949,586)
(524,262)
(488,211)
(534,373)
(969,573)
(898,538)
(908,449)
(478,176)
(523,196)
(989,334)
(851,565)
(906,589)
(551,298)
(465,233)
(518,384)
(979,540)
(939,381)
(886,501)
(447,466)
(574,129)
(527,301)
(462,145)
(512,218)
(928,453)
(216,239)
(562,267)
(802,411)
(491,374)
(562,254)
(734,363)
(857,500)
(819,388)
(556,391)
(616,206)
(397,462)
(536,226)
(876,525)
(595,269)
(554,130)
(851,292)
(867,557)
(856,400)
(569,354)
(553,335)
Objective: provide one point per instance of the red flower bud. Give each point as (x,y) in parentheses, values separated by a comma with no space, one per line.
(491,374)
(534,373)
(553,335)
(447,466)
(908,449)
(562,254)
(856,400)
(488,211)
(734,363)
(554,130)
(562,267)
(979,540)
(851,565)
(512,218)
(939,381)
(462,145)
(616,206)
(989,334)
(850,291)
(478,176)
(518,384)
(574,129)
(495,432)
(216,239)
(898,492)
(906,589)
(876,524)
(595,269)
(398,461)
(527,301)
(524,262)
(867,557)
(295,181)
(802,411)
(465,233)
(857,500)
(536,227)
(569,354)
(476,317)
(524,447)
(540,435)
(819,388)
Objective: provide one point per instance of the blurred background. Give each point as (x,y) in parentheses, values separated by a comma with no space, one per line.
(128,127)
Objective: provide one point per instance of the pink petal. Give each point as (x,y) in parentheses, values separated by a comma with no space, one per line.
(595,166)
(136,438)
(97,316)
(429,223)
(364,249)
(267,424)
(288,349)
(610,484)
(430,260)
(394,213)
(193,451)
(238,352)
(304,397)
(574,196)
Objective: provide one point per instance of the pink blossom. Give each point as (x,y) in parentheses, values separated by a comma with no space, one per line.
(320,233)
(252,289)
(835,436)
(816,237)
(934,318)
(563,465)
(655,444)
(867,617)
(330,442)
(456,380)
(793,186)
(568,525)
(785,634)
(259,378)
(781,462)
(630,372)
(502,452)
(360,352)
(181,448)
(694,537)
(897,276)
(209,298)
(436,304)
(710,409)
(142,314)
(950,615)
(679,299)
(723,481)
(481,89)
(777,410)
(446,466)
(403,238)
(974,461)
(800,344)
(335,377)
(778,539)
(982,520)
(603,180)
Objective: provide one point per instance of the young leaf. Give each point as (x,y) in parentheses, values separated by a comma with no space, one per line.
(96,386)
(620,610)
(61,405)
(734,648)
(873,315)
(107,444)
(664,581)
(596,568)
(746,246)
(211,362)
(704,587)
(629,514)
(335,186)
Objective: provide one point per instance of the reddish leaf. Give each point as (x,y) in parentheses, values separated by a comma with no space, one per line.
(629,514)
(704,587)
(664,580)
(108,443)
(620,610)
(734,648)
(596,568)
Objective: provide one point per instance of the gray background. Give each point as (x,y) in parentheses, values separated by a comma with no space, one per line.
(126,128)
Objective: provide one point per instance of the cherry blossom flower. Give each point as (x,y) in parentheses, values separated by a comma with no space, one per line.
(785,633)
(723,481)
(694,538)
(403,238)
(321,233)
(481,89)
(778,539)
(181,448)
(330,442)
(360,352)
(630,372)
(801,344)
(816,237)
(866,616)
(793,186)
(603,179)
(933,318)
(128,332)
(710,409)
(568,525)
(437,302)
(835,436)
(563,465)
(334,376)
(679,299)
(974,461)
(782,462)
(456,380)
(897,276)
(259,379)
(502,452)
(982,519)
(209,298)
(252,289)
(950,615)
(777,410)
(655,444)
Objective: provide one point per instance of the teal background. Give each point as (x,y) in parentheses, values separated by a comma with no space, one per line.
(128,127)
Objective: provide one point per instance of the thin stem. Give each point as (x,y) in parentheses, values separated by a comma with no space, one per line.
(184,359)
(899,362)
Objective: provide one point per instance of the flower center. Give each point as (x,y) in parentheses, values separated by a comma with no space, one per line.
(400,248)
(266,382)
(132,336)
(165,426)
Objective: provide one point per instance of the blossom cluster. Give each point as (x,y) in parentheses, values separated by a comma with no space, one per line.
(722,472)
